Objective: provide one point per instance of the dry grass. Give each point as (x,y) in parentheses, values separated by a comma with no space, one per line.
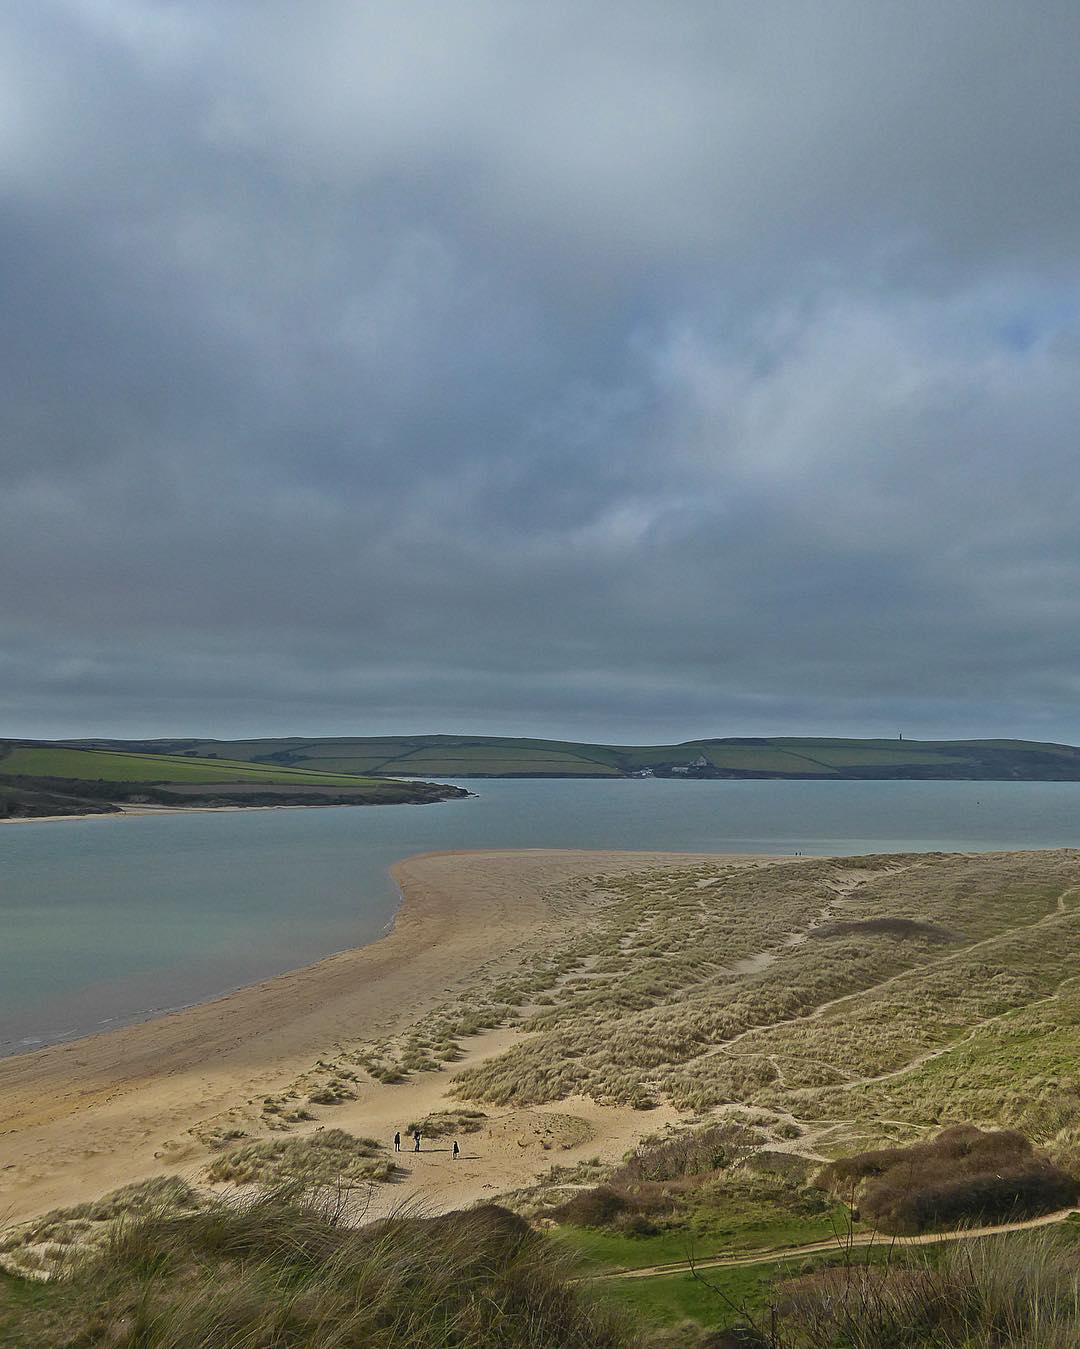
(690,1152)
(282,1272)
(330,1158)
(1022,1292)
(48,1245)
(861,998)
(662,997)
(441,1123)
(841,1003)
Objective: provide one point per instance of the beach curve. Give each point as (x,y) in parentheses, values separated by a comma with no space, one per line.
(79,1118)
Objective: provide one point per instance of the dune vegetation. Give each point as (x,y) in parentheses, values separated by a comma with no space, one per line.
(282,1270)
(848,1052)
(331,1158)
(963,1175)
(1017,1291)
(871,997)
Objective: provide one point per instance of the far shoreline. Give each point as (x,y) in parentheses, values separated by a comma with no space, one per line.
(146,810)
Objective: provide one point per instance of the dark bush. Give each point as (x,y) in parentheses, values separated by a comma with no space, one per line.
(962,1175)
(598,1207)
(903,929)
(636,1225)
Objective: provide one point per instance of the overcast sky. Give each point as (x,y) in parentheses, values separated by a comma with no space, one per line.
(626,371)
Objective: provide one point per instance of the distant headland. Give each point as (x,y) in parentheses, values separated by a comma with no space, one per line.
(297,770)
(40,779)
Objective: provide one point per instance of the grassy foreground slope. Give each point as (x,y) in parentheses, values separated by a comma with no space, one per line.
(44,779)
(762,757)
(283,1271)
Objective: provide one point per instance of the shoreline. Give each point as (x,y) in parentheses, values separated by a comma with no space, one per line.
(123,812)
(83,1116)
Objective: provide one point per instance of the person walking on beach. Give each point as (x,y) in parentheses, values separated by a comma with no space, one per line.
(457,1150)
(416,1140)
(397,1141)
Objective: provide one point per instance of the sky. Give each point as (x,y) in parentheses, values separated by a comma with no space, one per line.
(622,371)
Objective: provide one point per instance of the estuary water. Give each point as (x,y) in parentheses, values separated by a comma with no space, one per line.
(111,920)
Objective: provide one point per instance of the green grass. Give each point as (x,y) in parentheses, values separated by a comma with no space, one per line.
(733,1228)
(534,763)
(733,1296)
(729,1297)
(92,765)
(765,760)
(29,1316)
(674,1298)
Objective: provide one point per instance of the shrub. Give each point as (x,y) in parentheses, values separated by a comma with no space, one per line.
(598,1207)
(693,1153)
(909,929)
(964,1174)
(1016,1291)
(443,1122)
(636,1225)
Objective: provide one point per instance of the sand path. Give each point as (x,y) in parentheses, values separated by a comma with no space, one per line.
(81,1118)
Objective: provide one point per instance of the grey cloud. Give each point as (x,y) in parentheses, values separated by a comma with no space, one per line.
(628,370)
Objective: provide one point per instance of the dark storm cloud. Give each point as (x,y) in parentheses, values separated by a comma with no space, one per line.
(624,370)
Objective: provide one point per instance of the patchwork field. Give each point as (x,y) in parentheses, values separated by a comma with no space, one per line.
(113,766)
(48,780)
(737,757)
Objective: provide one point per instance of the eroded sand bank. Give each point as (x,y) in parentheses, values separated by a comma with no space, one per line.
(79,1119)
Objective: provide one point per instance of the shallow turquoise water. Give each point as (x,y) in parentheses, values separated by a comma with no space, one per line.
(110,920)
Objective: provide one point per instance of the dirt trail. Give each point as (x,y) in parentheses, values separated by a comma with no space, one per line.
(838,1244)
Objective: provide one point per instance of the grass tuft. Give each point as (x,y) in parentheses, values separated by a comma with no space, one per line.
(330,1157)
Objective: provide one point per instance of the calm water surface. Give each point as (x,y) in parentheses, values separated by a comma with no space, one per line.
(111,920)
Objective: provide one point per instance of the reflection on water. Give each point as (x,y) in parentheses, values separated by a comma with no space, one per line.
(104,921)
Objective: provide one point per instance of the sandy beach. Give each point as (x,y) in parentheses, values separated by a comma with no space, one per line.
(81,1118)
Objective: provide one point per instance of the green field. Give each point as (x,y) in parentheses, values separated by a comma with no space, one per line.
(734,1225)
(505,756)
(94,765)
(730,1296)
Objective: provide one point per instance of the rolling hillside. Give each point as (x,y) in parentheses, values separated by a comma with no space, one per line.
(118,766)
(46,779)
(497,756)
